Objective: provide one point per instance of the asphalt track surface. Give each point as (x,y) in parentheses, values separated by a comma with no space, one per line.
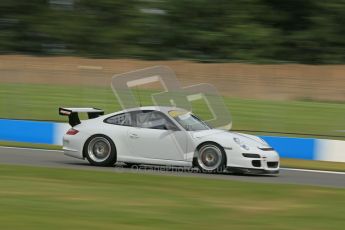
(56,159)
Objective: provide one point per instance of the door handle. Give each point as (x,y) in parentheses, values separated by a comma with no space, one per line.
(133,135)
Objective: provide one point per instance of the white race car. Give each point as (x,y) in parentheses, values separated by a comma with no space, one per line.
(163,136)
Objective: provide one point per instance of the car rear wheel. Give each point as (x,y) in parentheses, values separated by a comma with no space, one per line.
(210,158)
(100,151)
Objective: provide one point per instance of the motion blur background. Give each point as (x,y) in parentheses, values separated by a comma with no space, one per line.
(278,64)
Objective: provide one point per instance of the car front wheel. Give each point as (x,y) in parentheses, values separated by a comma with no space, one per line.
(210,158)
(100,151)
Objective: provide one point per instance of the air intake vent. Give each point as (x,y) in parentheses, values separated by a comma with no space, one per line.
(256,163)
(272,164)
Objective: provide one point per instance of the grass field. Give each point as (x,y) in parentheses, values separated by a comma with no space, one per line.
(35,101)
(42,198)
(311,164)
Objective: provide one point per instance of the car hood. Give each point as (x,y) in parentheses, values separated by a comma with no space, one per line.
(226,136)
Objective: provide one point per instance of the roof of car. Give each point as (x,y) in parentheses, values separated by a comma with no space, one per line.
(164,109)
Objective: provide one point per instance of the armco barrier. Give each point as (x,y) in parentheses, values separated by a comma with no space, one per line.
(27,131)
(36,132)
(41,132)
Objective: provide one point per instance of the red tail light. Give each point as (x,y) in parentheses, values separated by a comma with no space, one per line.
(72,132)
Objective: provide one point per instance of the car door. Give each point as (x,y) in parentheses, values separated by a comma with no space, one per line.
(155,136)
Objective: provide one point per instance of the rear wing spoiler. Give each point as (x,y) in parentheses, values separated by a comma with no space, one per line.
(73,117)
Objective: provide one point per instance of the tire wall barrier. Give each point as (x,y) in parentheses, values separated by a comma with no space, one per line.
(42,132)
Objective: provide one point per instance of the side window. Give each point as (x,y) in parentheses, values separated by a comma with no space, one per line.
(120,119)
(153,120)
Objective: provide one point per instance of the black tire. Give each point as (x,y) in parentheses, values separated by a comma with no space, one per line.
(100,150)
(210,158)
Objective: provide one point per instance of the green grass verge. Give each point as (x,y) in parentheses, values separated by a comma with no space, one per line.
(36,101)
(42,198)
(29,145)
(309,164)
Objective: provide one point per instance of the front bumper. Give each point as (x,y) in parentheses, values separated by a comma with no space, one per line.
(251,171)
(267,163)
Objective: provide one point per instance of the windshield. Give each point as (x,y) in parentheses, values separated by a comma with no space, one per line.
(188,121)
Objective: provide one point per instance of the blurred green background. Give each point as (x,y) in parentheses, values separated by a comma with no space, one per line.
(307,31)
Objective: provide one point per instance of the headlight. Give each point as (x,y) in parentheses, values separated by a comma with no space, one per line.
(240,143)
